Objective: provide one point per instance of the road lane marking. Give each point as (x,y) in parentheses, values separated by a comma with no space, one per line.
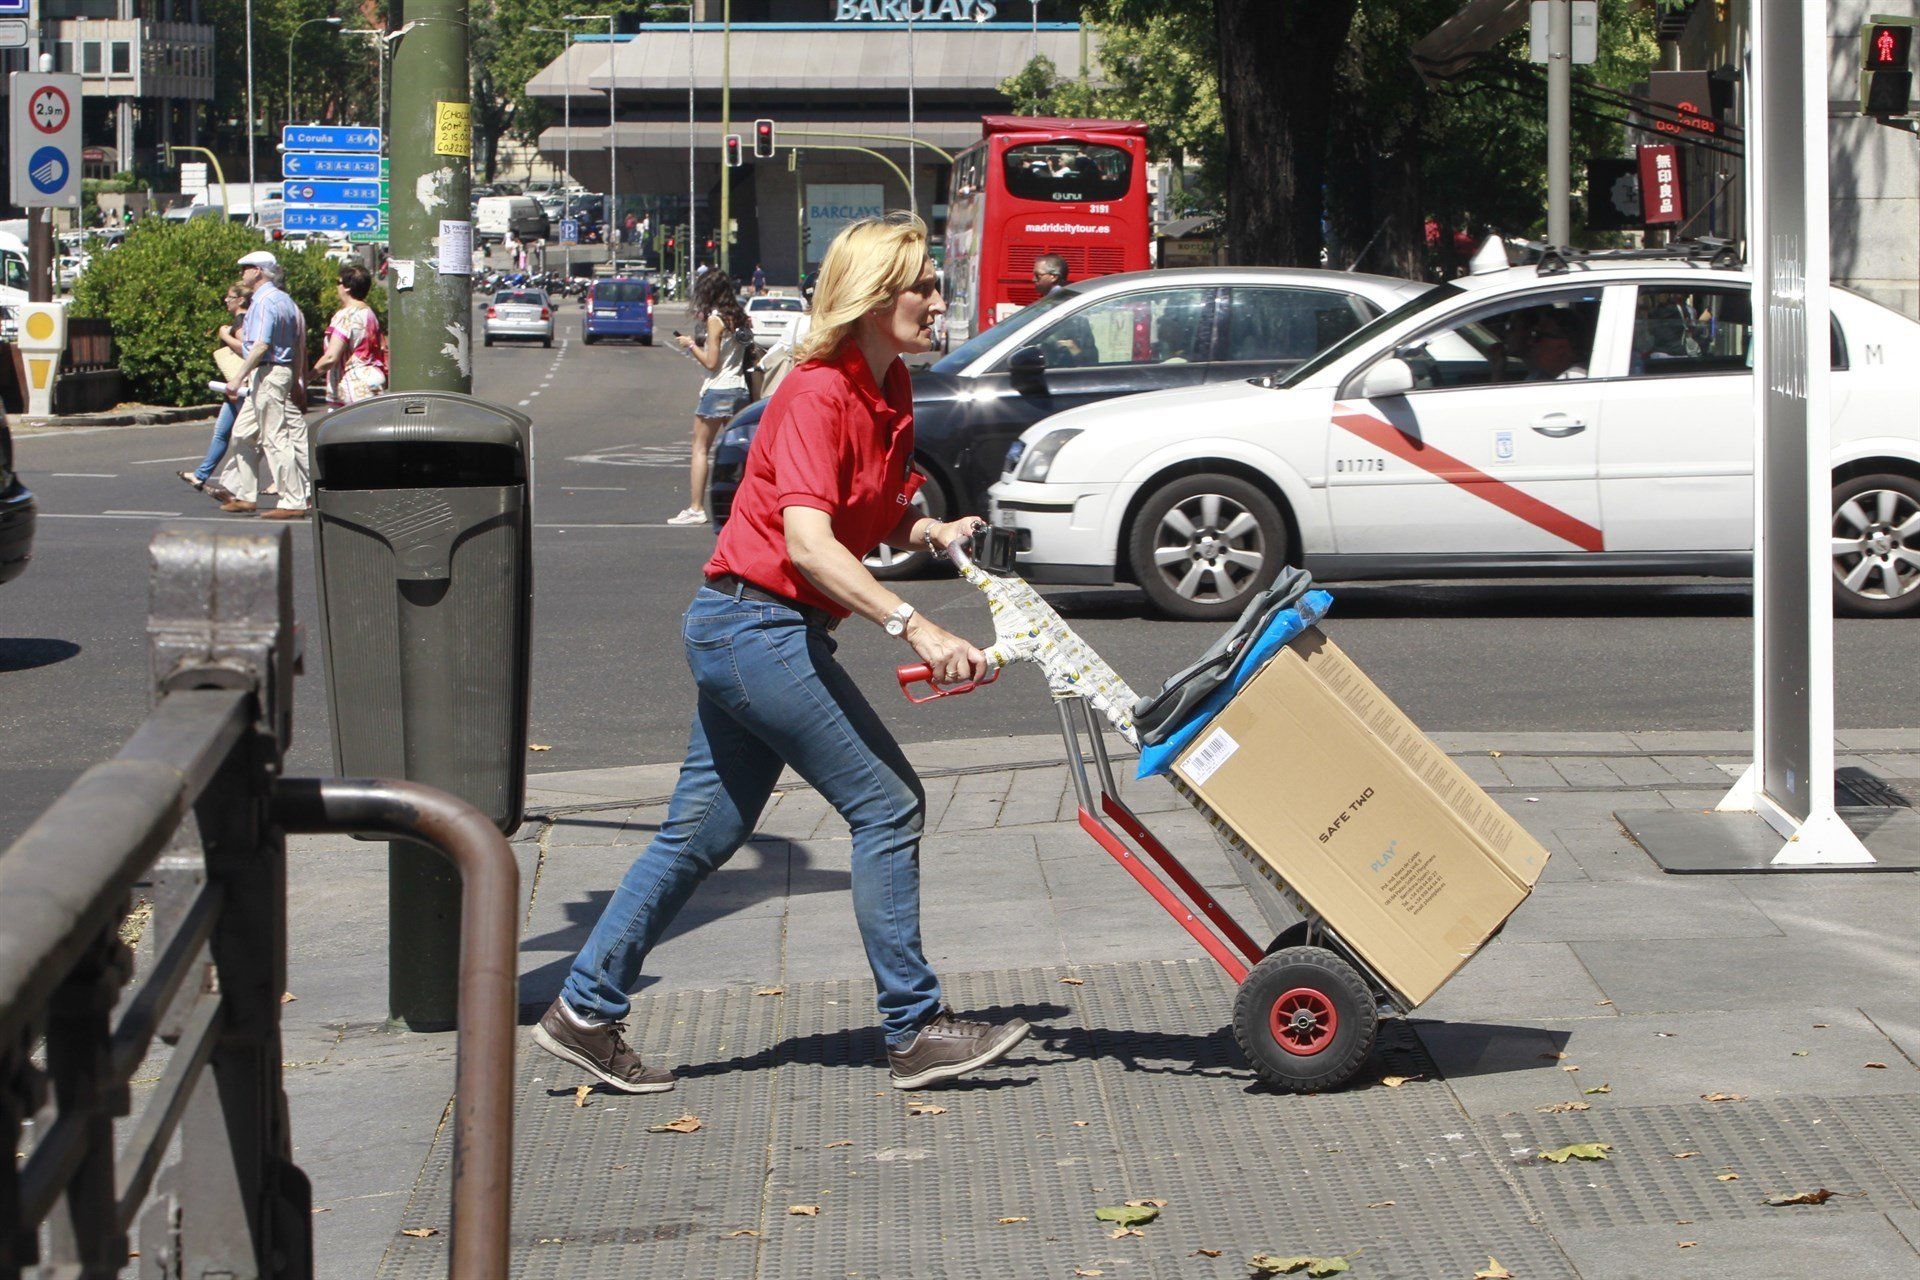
(149,515)
(84,475)
(112,512)
(594,488)
(154,462)
(526,402)
(615,524)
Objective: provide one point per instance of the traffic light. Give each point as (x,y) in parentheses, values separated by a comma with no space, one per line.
(1886,74)
(734,158)
(763,139)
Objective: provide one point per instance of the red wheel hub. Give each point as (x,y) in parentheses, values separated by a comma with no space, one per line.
(1303,1021)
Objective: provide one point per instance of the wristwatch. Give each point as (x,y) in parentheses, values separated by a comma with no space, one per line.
(896,623)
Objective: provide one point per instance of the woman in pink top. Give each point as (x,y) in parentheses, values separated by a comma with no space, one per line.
(355,360)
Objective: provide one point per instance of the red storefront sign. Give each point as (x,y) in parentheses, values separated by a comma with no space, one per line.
(1660,200)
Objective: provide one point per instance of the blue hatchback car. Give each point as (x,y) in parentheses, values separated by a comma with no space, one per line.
(620,307)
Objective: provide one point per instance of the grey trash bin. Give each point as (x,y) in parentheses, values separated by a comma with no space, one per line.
(425,561)
(424,557)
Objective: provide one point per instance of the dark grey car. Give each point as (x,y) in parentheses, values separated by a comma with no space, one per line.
(1111,336)
(17,511)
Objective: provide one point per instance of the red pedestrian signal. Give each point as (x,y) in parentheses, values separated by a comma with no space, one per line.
(763,139)
(1886,72)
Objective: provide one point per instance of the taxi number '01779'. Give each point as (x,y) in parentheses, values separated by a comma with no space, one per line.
(1359,464)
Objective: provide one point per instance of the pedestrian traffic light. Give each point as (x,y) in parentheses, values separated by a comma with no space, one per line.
(734,158)
(763,139)
(1886,73)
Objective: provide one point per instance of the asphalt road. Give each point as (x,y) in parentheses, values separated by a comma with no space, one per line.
(610,685)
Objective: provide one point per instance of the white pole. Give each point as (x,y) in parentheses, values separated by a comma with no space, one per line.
(692,239)
(252,189)
(1033,32)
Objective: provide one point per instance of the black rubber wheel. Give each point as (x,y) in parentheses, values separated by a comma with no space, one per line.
(547,342)
(588,339)
(1305,1019)
(1876,546)
(1202,546)
(488,340)
(646,339)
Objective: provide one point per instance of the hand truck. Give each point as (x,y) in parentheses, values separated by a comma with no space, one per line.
(1308,1008)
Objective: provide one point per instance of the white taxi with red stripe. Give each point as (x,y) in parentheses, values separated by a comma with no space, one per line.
(1594,419)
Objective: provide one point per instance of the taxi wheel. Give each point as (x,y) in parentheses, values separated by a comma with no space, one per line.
(1876,546)
(1202,546)
(892,563)
(588,339)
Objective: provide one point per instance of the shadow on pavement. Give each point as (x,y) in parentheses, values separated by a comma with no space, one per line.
(27,652)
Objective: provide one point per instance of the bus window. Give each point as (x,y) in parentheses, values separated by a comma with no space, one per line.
(1067,170)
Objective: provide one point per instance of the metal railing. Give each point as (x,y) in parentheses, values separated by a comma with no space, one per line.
(192,812)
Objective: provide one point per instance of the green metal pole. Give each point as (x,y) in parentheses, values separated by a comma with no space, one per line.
(432,169)
(726,127)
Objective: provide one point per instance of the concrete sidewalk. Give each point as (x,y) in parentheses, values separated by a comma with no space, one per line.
(1794,994)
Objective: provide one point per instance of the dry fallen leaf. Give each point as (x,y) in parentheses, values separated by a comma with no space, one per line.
(1088,1271)
(1496,754)
(1074,982)
(1568,1066)
(1602,1003)
(925,1109)
(551,1240)
(1120,1232)
(581,1093)
(1565,1106)
(1726,1177)
(844,1142)
(1146,1204)
(538,746)
(771,991)
(1802,1197)
(421,1233)
(328,1209)
(1876,1066)
(1820,1026)
(287,997)
(1601,1088)
(1724,1097)
(1204,1253)
(1009,1221)
(1268,1264)
(1579,1151)
(688,1123)
(1493,1271)
(1394,1082)
(1799,1053)
(744,1231)
(1381,1204)
(1081,1124)
(803,1210)
(1553,1057)
(1687,1244)
(1685,1155)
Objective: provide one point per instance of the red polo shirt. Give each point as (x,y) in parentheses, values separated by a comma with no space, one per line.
(831,440)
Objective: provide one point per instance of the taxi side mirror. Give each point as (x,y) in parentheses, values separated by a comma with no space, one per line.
(1389,377)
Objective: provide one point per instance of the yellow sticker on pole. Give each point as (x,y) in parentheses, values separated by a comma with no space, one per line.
(453,129)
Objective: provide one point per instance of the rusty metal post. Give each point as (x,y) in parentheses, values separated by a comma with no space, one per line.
(489,950)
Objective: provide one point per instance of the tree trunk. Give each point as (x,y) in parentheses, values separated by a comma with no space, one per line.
(1278,62)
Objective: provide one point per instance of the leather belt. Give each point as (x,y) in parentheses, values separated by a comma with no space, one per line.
(741,589)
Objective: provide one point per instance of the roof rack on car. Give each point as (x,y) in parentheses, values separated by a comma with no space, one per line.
(1551,259)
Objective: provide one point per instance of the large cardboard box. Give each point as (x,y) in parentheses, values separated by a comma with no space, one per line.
(1356,812)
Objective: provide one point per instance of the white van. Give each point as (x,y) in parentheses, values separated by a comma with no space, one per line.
(496,215)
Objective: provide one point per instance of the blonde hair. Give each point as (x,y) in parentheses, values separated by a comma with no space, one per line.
(867,266)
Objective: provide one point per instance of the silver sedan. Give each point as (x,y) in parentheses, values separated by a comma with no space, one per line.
(520,313)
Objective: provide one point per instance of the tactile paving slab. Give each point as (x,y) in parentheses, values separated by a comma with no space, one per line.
(1130,1088)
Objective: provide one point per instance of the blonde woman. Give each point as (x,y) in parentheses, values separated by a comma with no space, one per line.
(827,480)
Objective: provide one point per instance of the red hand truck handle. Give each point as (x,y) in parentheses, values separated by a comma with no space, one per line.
(915,673)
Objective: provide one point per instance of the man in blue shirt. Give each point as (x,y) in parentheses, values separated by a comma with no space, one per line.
(269,423)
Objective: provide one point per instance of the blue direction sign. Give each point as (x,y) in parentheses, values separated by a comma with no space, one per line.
(325,191)
(311,218)
(330,137)
(299,164)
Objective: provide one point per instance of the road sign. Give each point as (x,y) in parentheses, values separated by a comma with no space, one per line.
(330,137)
(16,8)
(368,191)
(193,179)
(320,164)
(313,218)
(13,33)
(569,231)
(369,237)
(44,136)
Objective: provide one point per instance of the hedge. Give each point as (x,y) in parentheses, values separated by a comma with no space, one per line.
(162,289)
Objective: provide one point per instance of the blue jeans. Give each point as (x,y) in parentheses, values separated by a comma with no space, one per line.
(222,432)
(772,694)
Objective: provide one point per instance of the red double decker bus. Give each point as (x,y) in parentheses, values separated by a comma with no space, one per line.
(1035,185)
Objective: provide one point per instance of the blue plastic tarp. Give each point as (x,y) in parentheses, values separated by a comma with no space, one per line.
(1280,629)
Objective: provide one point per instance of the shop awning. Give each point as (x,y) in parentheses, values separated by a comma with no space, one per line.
(1450,49)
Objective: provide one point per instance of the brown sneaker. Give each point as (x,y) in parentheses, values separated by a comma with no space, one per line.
(602,1050)
(948,1048)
